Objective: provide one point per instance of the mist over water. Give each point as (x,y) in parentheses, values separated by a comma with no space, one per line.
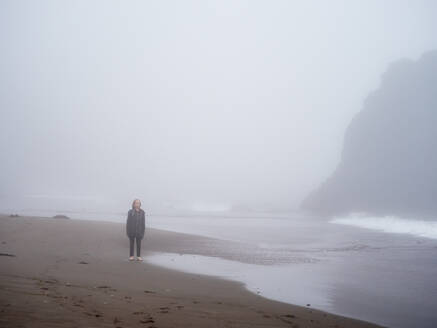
(243,104)
(223,117)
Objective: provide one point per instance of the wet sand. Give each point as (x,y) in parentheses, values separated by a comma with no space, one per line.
(75,273)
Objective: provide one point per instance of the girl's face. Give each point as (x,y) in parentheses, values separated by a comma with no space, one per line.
(137,204)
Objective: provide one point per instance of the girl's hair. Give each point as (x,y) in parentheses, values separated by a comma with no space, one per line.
(135,201)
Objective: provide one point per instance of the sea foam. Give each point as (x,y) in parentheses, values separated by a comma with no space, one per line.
(391,224)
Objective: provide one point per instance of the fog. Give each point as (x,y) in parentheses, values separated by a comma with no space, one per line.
(189,104)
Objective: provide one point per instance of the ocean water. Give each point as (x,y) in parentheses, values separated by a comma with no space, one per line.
(384,272)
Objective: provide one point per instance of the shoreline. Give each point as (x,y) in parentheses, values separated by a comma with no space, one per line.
(83,278)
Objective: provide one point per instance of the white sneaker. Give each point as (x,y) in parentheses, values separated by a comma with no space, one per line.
(139,258)
(131,258)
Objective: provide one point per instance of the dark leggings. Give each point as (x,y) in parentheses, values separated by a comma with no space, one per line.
(131,246)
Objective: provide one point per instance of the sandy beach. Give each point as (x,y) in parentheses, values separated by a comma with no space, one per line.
(76,273)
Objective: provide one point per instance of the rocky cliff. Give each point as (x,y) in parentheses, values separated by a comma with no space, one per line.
(389,159)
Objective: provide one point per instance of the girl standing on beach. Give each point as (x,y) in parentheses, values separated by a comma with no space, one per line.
(135,228)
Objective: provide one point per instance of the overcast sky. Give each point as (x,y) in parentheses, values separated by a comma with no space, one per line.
(190,103)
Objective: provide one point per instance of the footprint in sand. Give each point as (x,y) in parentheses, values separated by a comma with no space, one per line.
(147,319)
(164,309)
(78,304)
(287,318)
(97,315)
(289,315)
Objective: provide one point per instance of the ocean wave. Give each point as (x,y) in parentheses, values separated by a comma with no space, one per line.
(391,224)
